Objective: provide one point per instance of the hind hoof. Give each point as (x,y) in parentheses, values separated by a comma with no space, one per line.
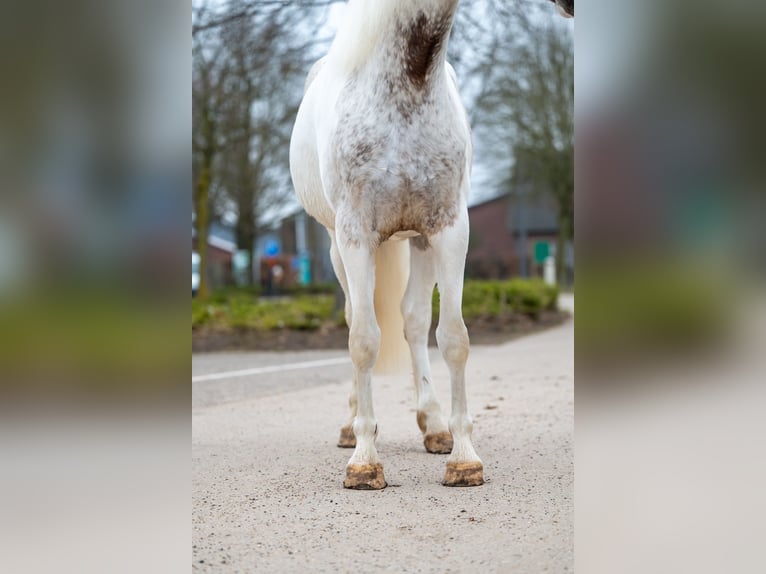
(464,474)
(347,438)
(365,477)
(438,443)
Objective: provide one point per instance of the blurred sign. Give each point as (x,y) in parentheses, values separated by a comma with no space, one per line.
(302,267)
(542,251)
(240,266)
(272,248)
(241,259)
(549,271)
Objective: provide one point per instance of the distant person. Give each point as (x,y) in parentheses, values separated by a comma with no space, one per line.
(277,274)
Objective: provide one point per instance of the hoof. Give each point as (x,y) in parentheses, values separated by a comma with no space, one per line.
(438,443)
(347,438)
(464,474)
(365,477)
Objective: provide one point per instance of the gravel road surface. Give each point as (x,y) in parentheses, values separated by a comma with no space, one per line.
(267,476)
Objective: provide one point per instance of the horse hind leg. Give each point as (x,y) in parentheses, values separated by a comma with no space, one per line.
(364,470)
(464,467)
(416,309)
(347,438)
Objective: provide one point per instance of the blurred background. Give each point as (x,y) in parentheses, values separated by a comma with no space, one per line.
(95,181)
(96,190)
(95,122)
(265,267)
(671,323)
(250,62)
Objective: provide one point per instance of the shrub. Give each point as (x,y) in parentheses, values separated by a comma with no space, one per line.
(243,309)
(313,289)
(202,313)
(524,296)
(493,298)
(239,309)
(662,307)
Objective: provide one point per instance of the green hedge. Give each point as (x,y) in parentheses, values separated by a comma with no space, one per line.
(495,298)
(245,309)
(225,294)
(652,305)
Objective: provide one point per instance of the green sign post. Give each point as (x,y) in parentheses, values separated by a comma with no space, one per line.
(542,250)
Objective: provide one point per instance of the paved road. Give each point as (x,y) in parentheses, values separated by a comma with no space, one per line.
(267,474)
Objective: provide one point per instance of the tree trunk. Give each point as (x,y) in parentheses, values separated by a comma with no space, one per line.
(246,240)
(561,244)
(202,222)
(253,262)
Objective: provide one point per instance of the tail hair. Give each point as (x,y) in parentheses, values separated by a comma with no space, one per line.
(392,267)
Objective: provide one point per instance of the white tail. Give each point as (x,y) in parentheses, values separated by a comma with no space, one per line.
(392,269)
(363,24)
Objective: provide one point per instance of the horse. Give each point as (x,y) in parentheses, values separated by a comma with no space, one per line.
(381,156)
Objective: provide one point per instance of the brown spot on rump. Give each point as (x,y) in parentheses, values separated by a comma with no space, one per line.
(425,38)
(427,220)
(566,5)
(426,210)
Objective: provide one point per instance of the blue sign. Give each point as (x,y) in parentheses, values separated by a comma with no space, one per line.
(272,248)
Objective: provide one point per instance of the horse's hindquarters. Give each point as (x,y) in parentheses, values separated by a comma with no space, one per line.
(304,165)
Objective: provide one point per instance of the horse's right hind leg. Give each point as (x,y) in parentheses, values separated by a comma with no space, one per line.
(464,467)
(347,438)
(416,309)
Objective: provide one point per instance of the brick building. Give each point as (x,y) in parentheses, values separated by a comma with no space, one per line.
(505,231)
(220,251)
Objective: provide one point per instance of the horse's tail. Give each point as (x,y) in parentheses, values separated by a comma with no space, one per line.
(392,269)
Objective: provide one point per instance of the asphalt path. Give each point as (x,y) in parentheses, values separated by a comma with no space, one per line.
(219,378)
(267,476)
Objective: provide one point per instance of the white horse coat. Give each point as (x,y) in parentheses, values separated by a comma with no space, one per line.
(381,151)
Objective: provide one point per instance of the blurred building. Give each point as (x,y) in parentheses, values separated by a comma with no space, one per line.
(221,247)
(307,243)
(511,234)
(296,246)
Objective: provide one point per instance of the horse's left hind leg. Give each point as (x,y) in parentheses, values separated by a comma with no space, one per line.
(363,471)
(417,312)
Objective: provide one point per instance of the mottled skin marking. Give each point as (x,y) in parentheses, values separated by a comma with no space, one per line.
(425,38)
(404,173)
(420,242)
(567,6)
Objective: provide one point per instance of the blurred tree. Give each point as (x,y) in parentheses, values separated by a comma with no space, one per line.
(267,48)
(252,56)
(209,74)
(248,8)
(262,98)
(529,97)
